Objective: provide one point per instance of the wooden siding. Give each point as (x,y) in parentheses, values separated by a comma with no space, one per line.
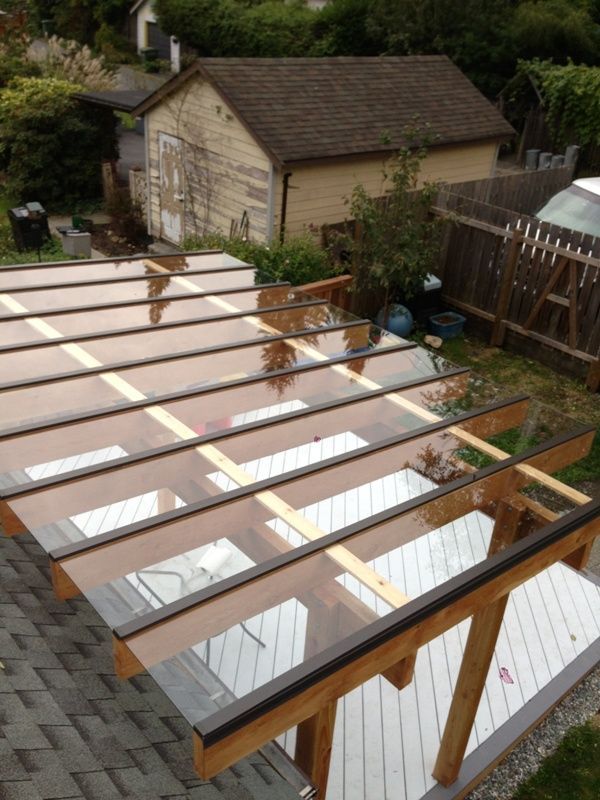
(226,172)
(318,192)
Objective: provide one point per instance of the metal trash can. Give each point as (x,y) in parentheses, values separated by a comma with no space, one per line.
(75,242)
(29,225)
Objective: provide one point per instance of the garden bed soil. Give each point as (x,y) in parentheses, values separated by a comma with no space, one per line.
(109,243)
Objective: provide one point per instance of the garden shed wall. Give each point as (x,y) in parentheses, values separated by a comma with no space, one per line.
(225,172)
(318,192)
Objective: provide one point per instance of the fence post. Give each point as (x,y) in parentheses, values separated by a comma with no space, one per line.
(506,287)
(593,376)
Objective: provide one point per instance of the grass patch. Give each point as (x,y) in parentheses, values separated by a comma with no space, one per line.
(519,374)
(51,251)
(572,772)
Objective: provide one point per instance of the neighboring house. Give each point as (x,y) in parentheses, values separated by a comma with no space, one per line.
(282,142)
(148,34)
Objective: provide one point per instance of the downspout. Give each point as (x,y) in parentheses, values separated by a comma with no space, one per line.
(284,197)
(271,204)
(148,176)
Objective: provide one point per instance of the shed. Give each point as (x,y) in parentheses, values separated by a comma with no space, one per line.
(282,142)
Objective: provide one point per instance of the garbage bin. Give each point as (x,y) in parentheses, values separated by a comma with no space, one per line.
(149,54)
(75,242)
(29,225)
(428,301)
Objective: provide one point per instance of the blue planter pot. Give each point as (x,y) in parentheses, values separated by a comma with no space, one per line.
(447,325)
(400,320)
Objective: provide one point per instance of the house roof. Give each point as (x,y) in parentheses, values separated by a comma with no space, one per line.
(69,728)
(119,99)
(137,5)
(302,109)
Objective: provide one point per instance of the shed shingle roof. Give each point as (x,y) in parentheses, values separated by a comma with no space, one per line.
(309,108)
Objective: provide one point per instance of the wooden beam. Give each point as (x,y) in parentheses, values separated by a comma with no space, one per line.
(477,657)
(553,280)
(126,664)
(63,586)
(11,523)
(353,615)
(213,758)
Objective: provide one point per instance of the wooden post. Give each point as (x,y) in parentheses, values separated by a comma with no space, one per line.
(314,741)
(592,380)
(506,287)
(573,305)
(485,627)
(314,736)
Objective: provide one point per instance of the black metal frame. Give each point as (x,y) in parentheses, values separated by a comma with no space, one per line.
(200,351)
(173,448)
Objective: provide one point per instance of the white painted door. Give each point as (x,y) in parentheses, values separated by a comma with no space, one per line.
(172,199)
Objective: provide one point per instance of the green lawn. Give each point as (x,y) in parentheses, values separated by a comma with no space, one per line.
(519,374)
(572,772)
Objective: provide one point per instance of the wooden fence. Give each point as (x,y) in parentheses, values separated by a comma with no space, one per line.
(524,192)
(533,279)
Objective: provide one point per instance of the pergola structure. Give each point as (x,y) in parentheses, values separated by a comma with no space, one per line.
(191,445)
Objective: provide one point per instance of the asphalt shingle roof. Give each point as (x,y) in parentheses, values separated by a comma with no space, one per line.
(309,108)
(69,728)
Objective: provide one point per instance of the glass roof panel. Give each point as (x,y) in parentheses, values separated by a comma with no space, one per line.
(154,288)
(151,314)
(48,400)
(113,270)
(237,576)
(80,444)
(59,358)
(193,474)
(256,632)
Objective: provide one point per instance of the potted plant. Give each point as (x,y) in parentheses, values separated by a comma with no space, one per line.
(397,238)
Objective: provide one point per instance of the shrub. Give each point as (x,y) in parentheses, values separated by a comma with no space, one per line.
(51,146)
(69,61)
(298,260)
(13,60)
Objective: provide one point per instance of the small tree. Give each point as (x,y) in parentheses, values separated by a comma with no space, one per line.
(397,238)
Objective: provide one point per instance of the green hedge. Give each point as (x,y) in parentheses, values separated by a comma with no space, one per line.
(298,260)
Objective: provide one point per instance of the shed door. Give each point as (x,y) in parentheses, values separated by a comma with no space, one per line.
(172,205)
